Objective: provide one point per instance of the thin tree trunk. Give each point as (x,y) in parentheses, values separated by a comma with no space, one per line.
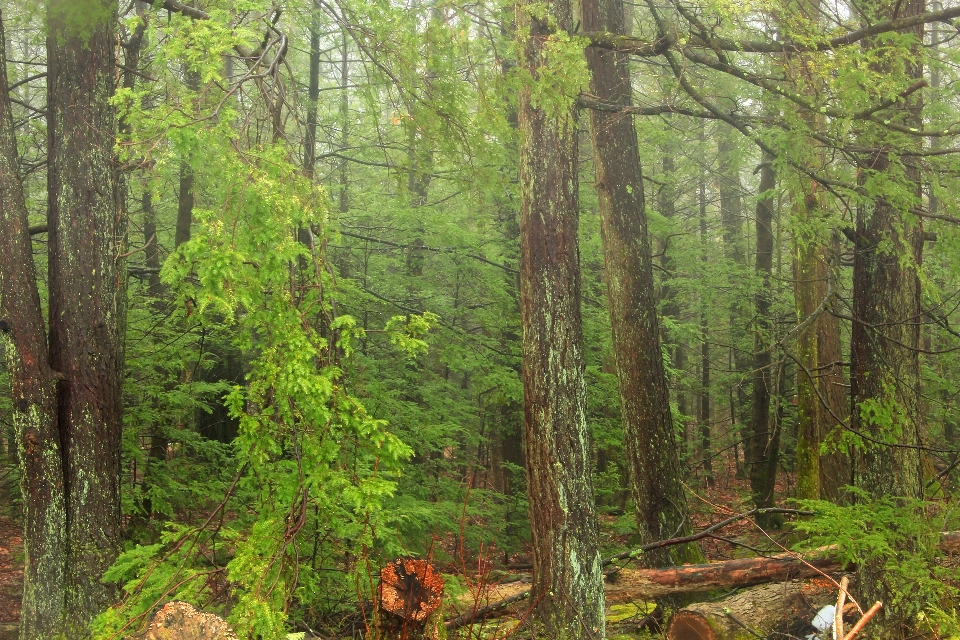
(703,415)
(85,238)
(185,195)
(666,202)
(731,219)
(567,579)
(34,392)
(649,439)
(761,443)
(344,196)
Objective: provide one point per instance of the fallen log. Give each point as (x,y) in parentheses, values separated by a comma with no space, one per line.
(650,584)
(757,612)
(746,572)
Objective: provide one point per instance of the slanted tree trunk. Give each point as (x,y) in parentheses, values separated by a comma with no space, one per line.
(34,392)
(762,444)
(567,579)
(649,439)
(85,276)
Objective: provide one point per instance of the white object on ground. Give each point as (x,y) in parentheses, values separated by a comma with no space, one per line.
(824,618)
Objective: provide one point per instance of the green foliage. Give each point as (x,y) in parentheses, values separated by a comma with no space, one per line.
(898,535)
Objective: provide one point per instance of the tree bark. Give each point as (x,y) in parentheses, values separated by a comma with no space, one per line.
(567,578)
(703,415)
(649,440)
(34,392)
(85,238)
(731,219)
(185,195)
(784,607)
(884,367)
(762,444)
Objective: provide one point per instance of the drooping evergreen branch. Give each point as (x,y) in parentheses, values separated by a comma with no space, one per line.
(704,37)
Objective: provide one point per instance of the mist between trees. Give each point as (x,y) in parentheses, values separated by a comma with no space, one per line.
(291,290)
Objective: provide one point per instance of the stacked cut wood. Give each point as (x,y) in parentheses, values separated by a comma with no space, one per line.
(409,592)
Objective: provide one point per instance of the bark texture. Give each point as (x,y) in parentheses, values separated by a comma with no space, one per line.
(86,291)
(34,392)
(731,219)
(567,579)
(770,609)
(649,439)
(821,394)
(764,444)
(884,368)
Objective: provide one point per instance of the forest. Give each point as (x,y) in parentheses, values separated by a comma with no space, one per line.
(423,319)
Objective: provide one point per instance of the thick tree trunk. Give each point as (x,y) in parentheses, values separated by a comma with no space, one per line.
(884,363)
(649,439)
(34,392)
(821,395)
(567,580)
(820,380)
(770,609)
(835,471)
(85,292)
(763,445)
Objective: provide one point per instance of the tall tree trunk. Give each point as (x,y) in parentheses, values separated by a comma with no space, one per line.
(567,579)
(649,438)
(313,91)
(344,196)
(34,391)
(185,196)
(820,379)
(731,219)
(85,237)
(884,363)
(703,415)
(666,202)
(762,444)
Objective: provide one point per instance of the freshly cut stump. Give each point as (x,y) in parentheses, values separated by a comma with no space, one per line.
(410,589)
(181,621)
(758,611)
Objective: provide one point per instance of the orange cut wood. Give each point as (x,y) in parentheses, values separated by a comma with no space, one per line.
(410,589)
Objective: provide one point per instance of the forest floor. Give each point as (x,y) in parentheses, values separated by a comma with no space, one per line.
(11,577)
(709,504)
(626,608)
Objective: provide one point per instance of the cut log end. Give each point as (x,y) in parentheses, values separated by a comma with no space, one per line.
(689,625)
(410,589)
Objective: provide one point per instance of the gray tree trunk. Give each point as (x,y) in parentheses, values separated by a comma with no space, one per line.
(567,581)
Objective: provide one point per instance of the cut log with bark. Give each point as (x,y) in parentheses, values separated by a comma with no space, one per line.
(785,607)
(655,583)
